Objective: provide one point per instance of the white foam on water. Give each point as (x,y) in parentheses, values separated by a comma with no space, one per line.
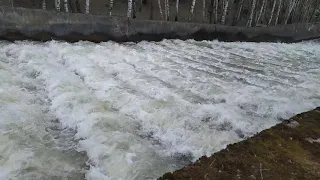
(143,109)
(29,140)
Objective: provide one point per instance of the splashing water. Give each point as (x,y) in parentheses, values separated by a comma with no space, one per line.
(136,111)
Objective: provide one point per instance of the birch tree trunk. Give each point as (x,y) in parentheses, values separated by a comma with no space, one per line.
(66,8)
(129,12)
(210,10)
(160,9)
(295,12)
(306,11)
(216,5)
(225,9)
(249,24)
(151,9)
(87,6)
(317,15)
(291,6)
(278,12)
(78,6)
(314,12)
(299,10)
(303,6)
(223,4)
(237,18)
(134,8)
(57,5)
(140,8)
(272,12)
(264,16)
(177,10)
(204,9)
(167,11)
(261,10)
(192,9)
(72,6)
(110,7)
(44,5)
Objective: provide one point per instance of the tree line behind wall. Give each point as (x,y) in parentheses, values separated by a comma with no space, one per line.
(228,12)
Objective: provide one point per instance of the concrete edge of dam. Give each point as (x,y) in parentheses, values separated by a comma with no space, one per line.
(289,150)
(41,25)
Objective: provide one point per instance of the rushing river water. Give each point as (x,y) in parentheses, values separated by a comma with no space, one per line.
(135,111)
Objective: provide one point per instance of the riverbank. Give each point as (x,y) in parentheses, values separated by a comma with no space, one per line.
(290,150)
(39,25)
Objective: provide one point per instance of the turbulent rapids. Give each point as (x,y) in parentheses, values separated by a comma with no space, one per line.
(135,111)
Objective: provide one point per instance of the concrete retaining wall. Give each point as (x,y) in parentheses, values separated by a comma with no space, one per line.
(39,25)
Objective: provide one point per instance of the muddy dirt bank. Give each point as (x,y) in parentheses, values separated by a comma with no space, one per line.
(290,150)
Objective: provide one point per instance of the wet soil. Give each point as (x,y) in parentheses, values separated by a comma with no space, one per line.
(290,150)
